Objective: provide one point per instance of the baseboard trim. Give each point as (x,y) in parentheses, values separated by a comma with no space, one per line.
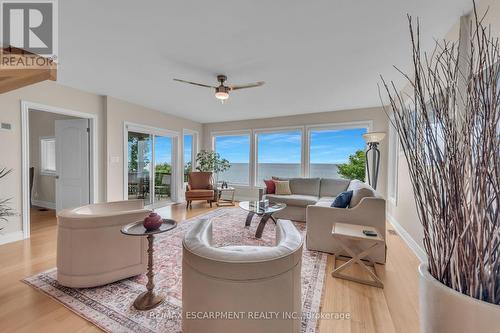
(44,204)
(11,237)
(412,244)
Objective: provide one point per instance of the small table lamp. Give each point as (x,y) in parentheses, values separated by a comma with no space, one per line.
(373,139)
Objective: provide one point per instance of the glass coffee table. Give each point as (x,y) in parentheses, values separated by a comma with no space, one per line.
(266,213)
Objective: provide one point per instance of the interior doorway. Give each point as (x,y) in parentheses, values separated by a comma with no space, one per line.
(57,162)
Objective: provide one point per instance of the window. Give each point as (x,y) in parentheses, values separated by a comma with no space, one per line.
(48,156)
(392,172)
(279,154)
(188,154)
(236,149)
(328,148)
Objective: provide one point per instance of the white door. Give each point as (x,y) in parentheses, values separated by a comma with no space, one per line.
(72,163)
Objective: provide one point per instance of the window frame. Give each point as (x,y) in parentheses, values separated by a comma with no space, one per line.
(274,130)
(368,124)
(249,133)
(43,170)
(195,148)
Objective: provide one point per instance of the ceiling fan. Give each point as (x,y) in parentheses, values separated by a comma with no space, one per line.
(222,90)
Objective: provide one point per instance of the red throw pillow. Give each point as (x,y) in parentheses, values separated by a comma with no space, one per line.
(271,187)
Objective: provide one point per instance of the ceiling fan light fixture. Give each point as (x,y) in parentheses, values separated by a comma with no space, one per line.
(222,90)
(222,95)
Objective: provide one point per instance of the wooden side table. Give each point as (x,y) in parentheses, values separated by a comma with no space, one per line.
(148,299)
(346,234)
(228,201)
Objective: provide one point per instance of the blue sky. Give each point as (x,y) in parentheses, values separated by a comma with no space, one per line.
(163,149)
(188,147)
(331,146)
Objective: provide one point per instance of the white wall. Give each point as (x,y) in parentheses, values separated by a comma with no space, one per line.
(375,115)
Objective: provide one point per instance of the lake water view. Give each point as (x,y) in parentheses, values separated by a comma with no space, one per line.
(239,172)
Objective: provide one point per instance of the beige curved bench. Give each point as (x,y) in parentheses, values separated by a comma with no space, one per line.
(91,251)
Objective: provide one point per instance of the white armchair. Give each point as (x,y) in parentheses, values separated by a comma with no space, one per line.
(91,251)
(241,280)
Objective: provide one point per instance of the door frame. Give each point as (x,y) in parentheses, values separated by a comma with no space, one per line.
(26,106)
(134,127)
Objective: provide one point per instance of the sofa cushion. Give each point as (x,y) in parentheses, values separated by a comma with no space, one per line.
(305,186)
(282,187)
(270,186)
(199,194)
(332,187)
(342,200)
(325,202)
(298,200)
(360,190)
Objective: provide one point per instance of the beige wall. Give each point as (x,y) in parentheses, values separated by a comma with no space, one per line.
(110,115)
(119,112)
(404,214)
(42,124)
(376,115)
(47,93)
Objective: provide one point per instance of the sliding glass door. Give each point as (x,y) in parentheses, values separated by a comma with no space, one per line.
(140,157)
(163,169)
(151,161)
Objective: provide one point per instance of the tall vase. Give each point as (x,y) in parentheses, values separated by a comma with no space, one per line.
(445,310)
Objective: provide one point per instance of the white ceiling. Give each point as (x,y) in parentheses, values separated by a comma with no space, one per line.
(314,55)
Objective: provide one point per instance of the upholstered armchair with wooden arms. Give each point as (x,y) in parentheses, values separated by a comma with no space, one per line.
(200,187)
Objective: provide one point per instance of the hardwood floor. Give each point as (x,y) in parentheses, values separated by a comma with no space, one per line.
(392,309)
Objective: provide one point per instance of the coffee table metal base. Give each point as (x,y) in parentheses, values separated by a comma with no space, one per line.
(262,223)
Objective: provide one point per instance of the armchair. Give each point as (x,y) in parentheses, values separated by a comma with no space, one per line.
(199,187)
(241,279)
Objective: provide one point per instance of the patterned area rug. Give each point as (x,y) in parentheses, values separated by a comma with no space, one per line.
(110,306)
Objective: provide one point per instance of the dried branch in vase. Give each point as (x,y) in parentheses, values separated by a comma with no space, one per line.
(449,130)
(5,210)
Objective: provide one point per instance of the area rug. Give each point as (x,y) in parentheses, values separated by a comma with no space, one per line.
(110,307)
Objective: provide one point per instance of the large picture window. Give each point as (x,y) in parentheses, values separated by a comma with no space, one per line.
(279,154)
(236,149)
(328,148)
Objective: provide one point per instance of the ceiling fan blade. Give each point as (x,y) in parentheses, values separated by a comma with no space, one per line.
(195,83)
(248,85)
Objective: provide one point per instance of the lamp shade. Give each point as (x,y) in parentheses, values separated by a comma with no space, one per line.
(374,137)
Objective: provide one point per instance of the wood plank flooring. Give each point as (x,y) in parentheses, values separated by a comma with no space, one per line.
(392,309)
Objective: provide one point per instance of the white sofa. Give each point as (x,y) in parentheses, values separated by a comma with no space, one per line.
(311,201)
(368,209)
(241,280)
(91,250)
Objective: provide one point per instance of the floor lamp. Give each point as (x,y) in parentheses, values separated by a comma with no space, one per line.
(372,156)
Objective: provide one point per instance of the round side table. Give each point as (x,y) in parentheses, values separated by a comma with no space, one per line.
(148,299)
